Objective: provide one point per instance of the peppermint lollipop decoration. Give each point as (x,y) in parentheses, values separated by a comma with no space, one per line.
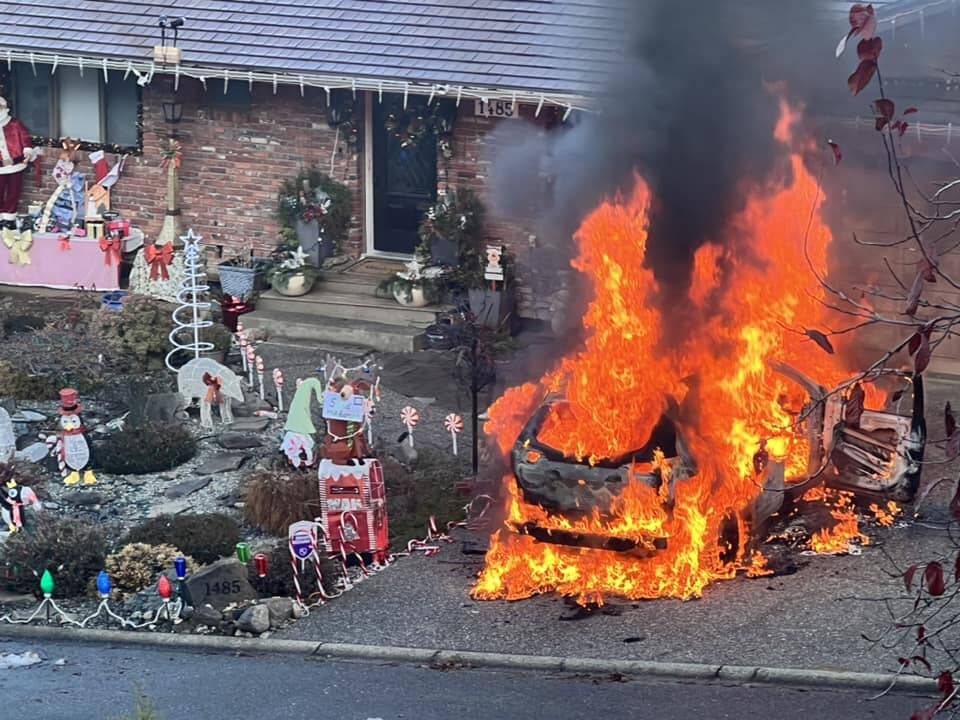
(454,425)
(278,386)
(259,361)
(410,418)
(242,340)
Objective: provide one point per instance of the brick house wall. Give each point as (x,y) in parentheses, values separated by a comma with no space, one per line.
(234,160)
(475,145)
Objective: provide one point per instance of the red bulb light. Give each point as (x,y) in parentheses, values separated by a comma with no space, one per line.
(164,588)
(261,563)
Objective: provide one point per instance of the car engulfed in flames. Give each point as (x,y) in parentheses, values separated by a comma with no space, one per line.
(872,454)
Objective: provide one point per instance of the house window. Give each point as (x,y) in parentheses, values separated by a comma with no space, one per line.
(84,107)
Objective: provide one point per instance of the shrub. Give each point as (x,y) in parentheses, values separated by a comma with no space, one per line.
(206,537)
(143,448)
(429,489)
(279,579)
(138,333)
(276,498)
(72,550)
(134,566)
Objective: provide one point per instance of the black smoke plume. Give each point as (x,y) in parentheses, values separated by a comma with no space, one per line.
(692,108)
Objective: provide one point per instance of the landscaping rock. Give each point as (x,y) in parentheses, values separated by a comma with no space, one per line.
(250,406)
(207,614)
(85,498)
(220,584)
(221,463)
(134,481)
(281,610)
(8,441)
(166,408)
(255,619)
(34,453)
(250,424)
(238,441)
(187,487)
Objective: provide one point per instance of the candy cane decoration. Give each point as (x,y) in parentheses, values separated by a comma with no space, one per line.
(242,339)
(410,417)
(294,565)
(259,361)
(278,386)
(454,425)
(251,355)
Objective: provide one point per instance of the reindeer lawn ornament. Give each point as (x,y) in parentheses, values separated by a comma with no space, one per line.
(212,384)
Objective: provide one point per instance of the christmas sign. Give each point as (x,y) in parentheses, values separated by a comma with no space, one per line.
(337,407)
(303,539)
(494,267)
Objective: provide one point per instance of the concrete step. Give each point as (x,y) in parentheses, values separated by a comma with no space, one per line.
(308,327)
(328,302)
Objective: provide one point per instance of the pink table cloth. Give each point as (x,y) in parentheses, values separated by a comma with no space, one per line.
(83,264)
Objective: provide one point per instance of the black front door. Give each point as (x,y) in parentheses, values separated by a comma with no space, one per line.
(404,175)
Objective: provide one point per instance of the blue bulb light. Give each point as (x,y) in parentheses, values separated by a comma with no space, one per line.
(103,584)
(180,567)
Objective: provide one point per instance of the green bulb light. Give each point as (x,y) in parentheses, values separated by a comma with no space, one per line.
(46,583)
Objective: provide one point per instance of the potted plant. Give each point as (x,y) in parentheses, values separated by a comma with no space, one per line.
(415,285)
(289,273)
(221,337)
(238,274)
(316,210)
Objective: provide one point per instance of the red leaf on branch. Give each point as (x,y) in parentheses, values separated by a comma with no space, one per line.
(863,20)
(922,359)
(862,76)
(922,661)
(913,299)
(933,577)
(921,635)
(949,420)
(913,346)
(870,49)
(820,339)
(928,272)
(881,123)
(926,713)
(903,127)
(884,107)
(908,577)
(910,111)
(837,155)
(945,682)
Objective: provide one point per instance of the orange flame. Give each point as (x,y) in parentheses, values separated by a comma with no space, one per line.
(752,297)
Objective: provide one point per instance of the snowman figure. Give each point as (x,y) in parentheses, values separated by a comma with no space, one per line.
(72,450)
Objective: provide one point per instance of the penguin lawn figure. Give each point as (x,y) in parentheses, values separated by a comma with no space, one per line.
(14,498)
(73,452)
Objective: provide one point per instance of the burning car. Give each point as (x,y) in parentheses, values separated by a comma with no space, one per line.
(872,454)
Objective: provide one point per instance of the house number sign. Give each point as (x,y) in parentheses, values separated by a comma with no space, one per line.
(496,108)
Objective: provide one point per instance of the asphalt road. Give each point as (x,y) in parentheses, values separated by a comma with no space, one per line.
(99,681)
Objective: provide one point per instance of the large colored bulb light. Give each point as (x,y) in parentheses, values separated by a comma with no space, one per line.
(104,586)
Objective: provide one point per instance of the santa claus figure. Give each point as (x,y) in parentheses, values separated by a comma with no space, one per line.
(16,150)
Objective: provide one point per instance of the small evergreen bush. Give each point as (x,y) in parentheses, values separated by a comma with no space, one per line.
(134,567)
(145,448)
(206,537)
(72,550)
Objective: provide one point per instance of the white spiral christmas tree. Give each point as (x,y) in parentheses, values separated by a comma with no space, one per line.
(191,316)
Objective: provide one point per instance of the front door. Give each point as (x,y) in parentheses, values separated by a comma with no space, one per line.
(404,175)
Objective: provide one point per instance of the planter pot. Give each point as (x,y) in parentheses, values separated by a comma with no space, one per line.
(416,298)
(444,251)
(308,235)
(491,308)
(294,286)
(237,281)
(440,336)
